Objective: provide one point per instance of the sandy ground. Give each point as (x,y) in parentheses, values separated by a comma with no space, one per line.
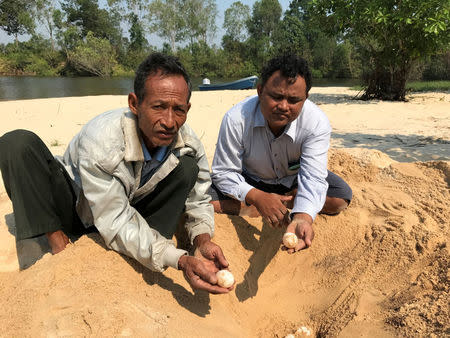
(380,269)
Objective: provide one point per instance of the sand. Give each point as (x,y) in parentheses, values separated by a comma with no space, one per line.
(379,269)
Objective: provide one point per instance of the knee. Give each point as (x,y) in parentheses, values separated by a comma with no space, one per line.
(18,142)
(334,205)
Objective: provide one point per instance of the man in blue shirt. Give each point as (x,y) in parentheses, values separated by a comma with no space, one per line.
(271,155)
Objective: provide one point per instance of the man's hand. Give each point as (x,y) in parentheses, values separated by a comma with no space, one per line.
(301,225)
(271,206)
(199,276)
(200,270)
(210,252)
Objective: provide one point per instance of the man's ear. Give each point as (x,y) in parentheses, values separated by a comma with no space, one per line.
(188,107)
(259,89)
(133,103)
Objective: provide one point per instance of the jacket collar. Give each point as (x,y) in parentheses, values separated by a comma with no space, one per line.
(132,138)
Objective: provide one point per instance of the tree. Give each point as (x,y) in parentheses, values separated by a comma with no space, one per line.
(265,17)
(15,17)
(45,13)
(94,56)
(289,36)
(261,26)
(134,13)
(199,20)
(391,35)
(166,20)
(235,21)
(89,17)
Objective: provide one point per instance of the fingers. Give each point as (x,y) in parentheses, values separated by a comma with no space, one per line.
(214,289)
(279,218)
(199,277)
(223,263)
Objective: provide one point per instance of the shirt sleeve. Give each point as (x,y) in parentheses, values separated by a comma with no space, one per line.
(312,184)
(227,162)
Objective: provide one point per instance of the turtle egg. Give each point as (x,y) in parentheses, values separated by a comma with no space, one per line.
(225,278)
(303,331)
(290,240)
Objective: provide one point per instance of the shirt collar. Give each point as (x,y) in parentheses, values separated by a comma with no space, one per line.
(159,154)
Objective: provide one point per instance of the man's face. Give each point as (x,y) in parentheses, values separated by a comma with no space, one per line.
(281,100)
(163,110)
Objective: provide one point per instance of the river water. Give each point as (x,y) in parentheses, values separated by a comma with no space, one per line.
(28,87)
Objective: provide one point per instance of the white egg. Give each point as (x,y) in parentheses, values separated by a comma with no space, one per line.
(303,331)
(225,278)
(290,240)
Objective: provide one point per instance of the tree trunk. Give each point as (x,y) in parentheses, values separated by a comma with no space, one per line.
(386,83)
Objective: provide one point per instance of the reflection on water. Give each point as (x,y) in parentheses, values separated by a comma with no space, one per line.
(28,87)
(25,87)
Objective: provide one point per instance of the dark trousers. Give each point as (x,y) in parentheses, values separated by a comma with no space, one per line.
(44,201)
(337,187)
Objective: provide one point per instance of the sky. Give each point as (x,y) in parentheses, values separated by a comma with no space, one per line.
(222,5)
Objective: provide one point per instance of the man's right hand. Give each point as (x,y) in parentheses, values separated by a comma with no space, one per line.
(271,206)
(199,276)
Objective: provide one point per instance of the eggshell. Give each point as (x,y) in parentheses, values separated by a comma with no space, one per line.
(225,278)
(290,240)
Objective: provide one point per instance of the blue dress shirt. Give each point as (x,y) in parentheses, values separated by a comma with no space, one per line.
(151,163)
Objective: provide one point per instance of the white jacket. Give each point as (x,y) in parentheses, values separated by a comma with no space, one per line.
(105,161)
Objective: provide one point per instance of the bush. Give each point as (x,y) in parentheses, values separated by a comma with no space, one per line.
(39,66)
(94,56)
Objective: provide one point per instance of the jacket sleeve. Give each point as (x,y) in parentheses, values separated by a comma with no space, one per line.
(199,212)
(122,227)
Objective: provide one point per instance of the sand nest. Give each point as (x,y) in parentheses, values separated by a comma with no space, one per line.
(378,269)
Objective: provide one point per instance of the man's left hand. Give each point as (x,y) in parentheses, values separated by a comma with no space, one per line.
(210,253)
(301,225)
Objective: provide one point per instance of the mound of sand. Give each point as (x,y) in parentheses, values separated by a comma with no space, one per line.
(379,269)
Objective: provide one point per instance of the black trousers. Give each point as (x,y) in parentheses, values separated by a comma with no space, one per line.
(337,187)
(43,199)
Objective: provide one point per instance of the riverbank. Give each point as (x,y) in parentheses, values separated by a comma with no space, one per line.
(377,270)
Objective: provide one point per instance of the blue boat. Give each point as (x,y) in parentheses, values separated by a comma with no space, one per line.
(245,83)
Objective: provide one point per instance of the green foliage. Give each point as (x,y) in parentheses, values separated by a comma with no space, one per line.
(390,34)
(15,17)
(199,20)
(33,57)
(167,21)
(235,21)
(89,17)
(289,37)
(437,67)
(137,36)
(176,20)
(426,86)
(261,26)
(94,56)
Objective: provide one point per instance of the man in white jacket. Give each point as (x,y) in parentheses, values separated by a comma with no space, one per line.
(131,174)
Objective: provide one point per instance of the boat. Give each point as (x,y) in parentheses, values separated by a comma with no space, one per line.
(245,83)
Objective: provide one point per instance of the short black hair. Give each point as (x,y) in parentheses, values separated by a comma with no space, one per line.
(158,62)
(290,66)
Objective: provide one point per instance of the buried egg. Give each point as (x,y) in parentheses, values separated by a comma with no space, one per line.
(303,331)
(225,278)
(290,240)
